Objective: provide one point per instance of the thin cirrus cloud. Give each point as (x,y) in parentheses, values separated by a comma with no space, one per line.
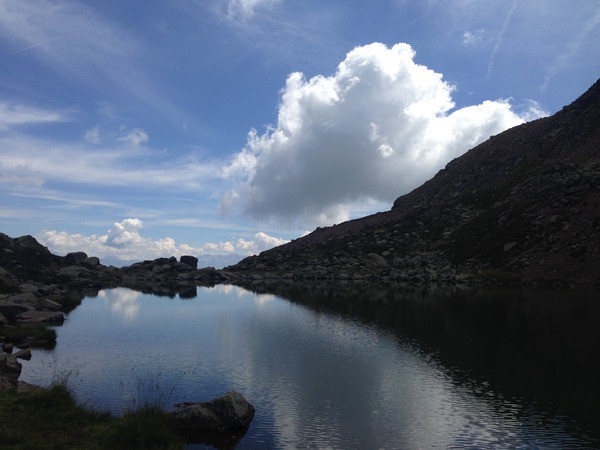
(380,126)
(573,46)
(69,36)
(26,158)
(500,36)
(78,43)
(245,9)
(14,115)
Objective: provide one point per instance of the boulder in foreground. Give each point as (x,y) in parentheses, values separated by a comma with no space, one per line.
(229,413)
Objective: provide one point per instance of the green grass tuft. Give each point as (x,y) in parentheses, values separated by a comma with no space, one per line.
(51,419)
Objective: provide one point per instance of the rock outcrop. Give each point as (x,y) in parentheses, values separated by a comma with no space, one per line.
(524,207)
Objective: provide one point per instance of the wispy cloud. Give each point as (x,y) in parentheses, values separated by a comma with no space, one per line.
(70,199)
(25,157)
(472,38)
(500,37)
(12,114)
(135,137)
(76,39)
(562,60)
(80,44)
(93,135)
(29,47)
(245,9)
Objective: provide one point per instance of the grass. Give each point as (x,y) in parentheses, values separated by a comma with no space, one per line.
(36,331)
(51,419)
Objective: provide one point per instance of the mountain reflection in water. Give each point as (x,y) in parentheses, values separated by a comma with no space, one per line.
(352,366)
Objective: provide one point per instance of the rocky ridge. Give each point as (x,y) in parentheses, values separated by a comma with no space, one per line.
(522,207)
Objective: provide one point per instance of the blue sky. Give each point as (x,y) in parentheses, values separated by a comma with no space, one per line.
(132,130)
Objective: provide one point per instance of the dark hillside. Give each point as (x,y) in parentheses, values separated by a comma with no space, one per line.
(522,206)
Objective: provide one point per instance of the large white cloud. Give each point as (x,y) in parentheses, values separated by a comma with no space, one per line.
(377,128)
(123,242)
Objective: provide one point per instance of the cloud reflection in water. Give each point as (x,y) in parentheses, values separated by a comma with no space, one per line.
(122,301)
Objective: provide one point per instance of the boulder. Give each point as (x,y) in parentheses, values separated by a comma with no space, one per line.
(9,366)
(92,261)
(11,310)
(8,347)
(72,271)
(191,261)
(75,257)
(231,412)
(23,354)
(30,242)
(48,305)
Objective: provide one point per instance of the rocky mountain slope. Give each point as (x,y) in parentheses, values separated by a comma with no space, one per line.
(524,206)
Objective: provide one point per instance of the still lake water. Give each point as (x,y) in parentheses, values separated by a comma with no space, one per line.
(348,366)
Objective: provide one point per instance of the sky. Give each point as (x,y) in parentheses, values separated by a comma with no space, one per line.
(221,128)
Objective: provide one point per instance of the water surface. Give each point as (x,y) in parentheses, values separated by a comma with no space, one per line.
(348,367)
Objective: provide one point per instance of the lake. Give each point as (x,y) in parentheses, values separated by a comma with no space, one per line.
(348,366)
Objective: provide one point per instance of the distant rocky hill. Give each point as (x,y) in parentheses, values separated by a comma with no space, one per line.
(523,206)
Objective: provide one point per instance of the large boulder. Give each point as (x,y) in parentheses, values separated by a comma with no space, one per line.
(92,261)
(191,261)
(228,413)
(75,257)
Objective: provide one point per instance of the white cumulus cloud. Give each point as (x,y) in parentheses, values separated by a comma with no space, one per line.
(377,128)
(124,242)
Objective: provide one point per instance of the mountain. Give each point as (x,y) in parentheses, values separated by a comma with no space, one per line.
(524,206)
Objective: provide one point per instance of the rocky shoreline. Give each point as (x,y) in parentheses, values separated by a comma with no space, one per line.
(37,288)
